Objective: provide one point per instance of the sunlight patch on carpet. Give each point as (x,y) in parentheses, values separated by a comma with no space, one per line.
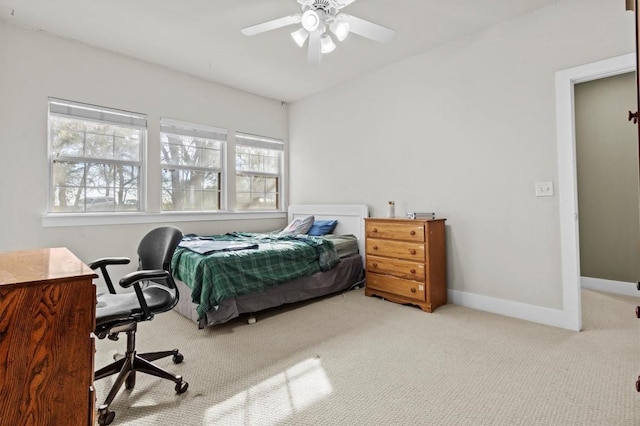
(276,398)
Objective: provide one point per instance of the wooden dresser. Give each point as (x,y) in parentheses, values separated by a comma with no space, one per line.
(406,261)
(47,316)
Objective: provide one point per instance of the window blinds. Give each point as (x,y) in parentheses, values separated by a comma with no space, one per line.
(96,113)
(259,141)
(175,127)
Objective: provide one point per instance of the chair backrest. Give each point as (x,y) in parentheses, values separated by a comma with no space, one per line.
(156,248)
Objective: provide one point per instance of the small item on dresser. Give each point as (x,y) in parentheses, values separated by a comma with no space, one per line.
(420,215)
(391,209)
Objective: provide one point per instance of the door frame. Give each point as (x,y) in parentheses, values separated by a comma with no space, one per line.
(567,175)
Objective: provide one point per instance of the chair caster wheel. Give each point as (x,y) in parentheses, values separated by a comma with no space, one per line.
(177,358)
(105,416)
(181,387)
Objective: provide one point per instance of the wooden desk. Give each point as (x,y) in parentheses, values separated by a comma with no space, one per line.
(47,316)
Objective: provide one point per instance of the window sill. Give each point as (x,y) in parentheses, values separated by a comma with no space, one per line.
(96,219)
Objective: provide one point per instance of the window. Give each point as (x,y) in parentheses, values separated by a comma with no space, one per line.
(95,158)
(258,172)
(192,157)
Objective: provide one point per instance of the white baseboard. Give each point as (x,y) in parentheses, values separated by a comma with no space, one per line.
(554,317)
(533,313)
(610,286)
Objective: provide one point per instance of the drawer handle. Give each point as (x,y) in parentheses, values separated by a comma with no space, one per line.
(413,289)
(412,233)
(374,230)
(375,265)
(375,247)
(412,251)
(413,271)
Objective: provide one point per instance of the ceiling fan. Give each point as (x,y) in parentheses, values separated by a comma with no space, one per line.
(320,19)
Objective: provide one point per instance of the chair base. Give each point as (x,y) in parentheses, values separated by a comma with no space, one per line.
(128,366)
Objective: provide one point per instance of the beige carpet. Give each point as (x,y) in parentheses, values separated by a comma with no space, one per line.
(356,360)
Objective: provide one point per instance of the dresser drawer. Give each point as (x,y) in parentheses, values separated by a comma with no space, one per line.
(399,249)
(405,231)
(400,268)
(399,286)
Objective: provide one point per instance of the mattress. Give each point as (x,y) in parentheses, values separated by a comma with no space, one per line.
(347,274)
(345,245)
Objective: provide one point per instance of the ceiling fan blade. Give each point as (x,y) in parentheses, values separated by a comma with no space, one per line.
(314,54)
(272,25)
(344,3)
(368,29)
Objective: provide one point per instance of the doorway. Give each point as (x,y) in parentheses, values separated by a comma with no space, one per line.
(607,181)
(567,176)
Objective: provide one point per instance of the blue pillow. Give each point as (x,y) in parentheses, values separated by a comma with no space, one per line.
(322,227)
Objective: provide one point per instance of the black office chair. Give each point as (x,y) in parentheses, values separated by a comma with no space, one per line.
(155,292)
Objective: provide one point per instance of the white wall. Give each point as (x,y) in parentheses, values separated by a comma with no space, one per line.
(464,130)
(34,66)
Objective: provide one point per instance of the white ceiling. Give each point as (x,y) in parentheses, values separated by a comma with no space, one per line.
(202,37)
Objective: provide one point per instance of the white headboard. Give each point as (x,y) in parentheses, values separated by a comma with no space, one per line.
(350,217)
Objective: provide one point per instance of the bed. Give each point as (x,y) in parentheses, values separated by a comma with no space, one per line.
(208,298)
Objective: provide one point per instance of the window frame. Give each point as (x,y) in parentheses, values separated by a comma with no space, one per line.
(150,186)
(105,115)
(183,128)
(264,142)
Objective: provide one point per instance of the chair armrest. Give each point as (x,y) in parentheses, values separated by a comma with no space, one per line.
(134,279)
(105,261)
(145,275)
(102,263)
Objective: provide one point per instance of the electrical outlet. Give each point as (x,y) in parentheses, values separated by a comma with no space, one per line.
(544,189)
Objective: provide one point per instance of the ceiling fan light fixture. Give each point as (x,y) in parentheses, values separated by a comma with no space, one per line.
(340,29)
(326,44)
(323,25)
(300,36)
(311,20)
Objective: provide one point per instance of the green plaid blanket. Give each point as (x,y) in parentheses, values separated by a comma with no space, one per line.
(220,275)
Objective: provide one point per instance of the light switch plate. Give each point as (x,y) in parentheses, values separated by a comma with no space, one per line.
(544,189)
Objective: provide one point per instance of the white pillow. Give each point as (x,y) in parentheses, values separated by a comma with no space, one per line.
(297,226)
